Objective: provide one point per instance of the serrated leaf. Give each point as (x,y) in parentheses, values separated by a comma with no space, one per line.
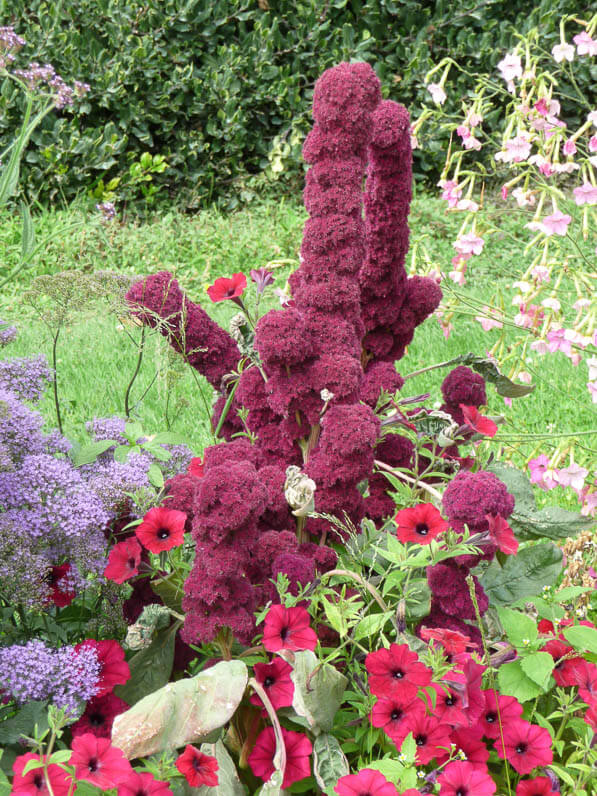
(519,627)
(185,711)
(581,637)
(538,666)
(87,454)
(514,682)
(523,575)
(329,761)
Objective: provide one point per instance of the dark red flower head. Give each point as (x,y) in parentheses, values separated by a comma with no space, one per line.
(461,778)
(288,629)
(61,593)
(99,716)
(124,560)
(298,753)
(198,769)
(525,746)
(161,529)
(367,782)
(275,679)
(420,524)
(396,672)
(539,786)
(227,288)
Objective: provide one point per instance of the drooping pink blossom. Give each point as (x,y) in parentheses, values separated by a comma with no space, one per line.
(438,95)
(593,143)
(510,67)
(569,147)
(557,223)
(489,319)
(585,45)
(469,244)
(573,476)
(542,473)
(585,194)
(562,52)
(451,192)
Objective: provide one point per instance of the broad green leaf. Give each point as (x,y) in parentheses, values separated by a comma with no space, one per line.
(538,666)
(60,756)
(329,761)
(390,768)
(170,592)
(183,712)
(121,453)
(168,438)
(150,667)
(569,593)
(418,601)
(155,476)
(336,617)
(23,722)
(370,625)
(87,454)
(409,749)
(318,695)
(31,765)
(490,372)
(582,638)
(28,234)
(523,575)
(518,485)
(514,682)
(519,628)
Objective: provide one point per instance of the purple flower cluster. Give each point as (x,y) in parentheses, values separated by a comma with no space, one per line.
(10,43)
(37,75)
(7,333)
(26,377)
(34,671)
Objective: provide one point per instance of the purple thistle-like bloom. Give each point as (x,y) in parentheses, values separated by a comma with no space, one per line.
(7,333)
(26,377)
(33,671)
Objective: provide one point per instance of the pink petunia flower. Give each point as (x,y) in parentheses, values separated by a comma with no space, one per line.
(367,781)
(460,777)
(97,761)
(298,753)
(288,629)
(525,746)
(227,288)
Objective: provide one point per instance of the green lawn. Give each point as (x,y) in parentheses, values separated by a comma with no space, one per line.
(96,358)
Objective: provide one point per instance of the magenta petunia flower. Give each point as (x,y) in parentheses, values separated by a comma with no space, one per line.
(525,746)
(390,713)
(275,679)
(502,535)
(33,783)
(432,738)
(123,561)
(396,672)
(452,641)
(475,420)
(420,524)
(227,288)
(461,778)
(114,669)
(288,629)
(198,769)
(97,761)
(498,707)
(161,529)
(539,786)
(143,784)
(298,753)
(196,467)
(61,592)
(367,781)
(99,716)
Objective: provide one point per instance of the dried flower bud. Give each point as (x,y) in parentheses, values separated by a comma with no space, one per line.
(299,491)
(326,395)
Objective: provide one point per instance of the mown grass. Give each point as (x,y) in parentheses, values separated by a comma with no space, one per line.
(96,357)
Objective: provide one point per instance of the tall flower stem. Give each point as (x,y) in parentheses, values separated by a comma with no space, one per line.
(127,409)
(55,382)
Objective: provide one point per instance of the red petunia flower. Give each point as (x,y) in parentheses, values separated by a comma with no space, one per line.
(461,778)
(97,761)
(114,669)
(585,677)
(525,746)
(298,752)
(227,288)
(564,672)
(502,535)
(124,560)
(391,714)
(198,769)
(275,679)
(420,524)
(591,715)
(432,739)
(396,672)
(161,529)
(99,716)
(510,710)
(539,786)
(475,420)
(196,467)
(473,747)
(34,782)
(61,594)
(143,785)
(452,641)
(288,629)
(367,781)
(450,706)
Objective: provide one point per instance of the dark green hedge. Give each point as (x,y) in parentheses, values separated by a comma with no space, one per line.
(216,85)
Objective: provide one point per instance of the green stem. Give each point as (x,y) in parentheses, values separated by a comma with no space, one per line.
(55,382)
(226,409)
(127,410)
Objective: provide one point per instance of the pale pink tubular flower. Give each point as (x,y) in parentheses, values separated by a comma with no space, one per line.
(573,476)
(474,119)
(589,507)
(585,44)
(592,117)
(562,52)
(552,304)
(523,198)
(585,194)
(487,321)
(593,143)
(542,473)
(557,223)
(557,341)
(540,346)
(569,147)
(468,205)
(541,273)
(471,143)
(438,95)
(525,377)
(592,365)
(541,107)
(592,387)
(469,244)
(543,164)
(510,67)
(451,192)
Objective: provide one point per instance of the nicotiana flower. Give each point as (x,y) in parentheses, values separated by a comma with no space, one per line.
(510,67)
(469,244)
(288,629)
(227,288)
(198,769)
(437,92)
(123,561)
(298,753)
(557,223)
(262,278)
(97,761)
(562,52)
(161,529)
(585,194)
(367,781)
(585,45)
(420,524)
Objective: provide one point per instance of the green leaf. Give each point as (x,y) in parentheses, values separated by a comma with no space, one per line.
(538,666)
(150,667)
(31,765)
(87,454)
(370,625)
(182,712)
(133,431)
(390,768)
(23,722)
(519,628)
(514,682)
(518,485)
(28,234)
(523,575)
(336,617)
(418,601)
(329,761)
(121,453)
(60,756)
(409,749)
(582,638)
(490,372)
(169,438)
(318,689)
(170,592)
(155,476)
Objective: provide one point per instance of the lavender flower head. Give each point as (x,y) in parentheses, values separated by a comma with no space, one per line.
(7,333)
(107,210)
(26,377)
(10,43)
(33,671)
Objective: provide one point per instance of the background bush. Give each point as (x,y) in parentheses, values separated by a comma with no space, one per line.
(222,88)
